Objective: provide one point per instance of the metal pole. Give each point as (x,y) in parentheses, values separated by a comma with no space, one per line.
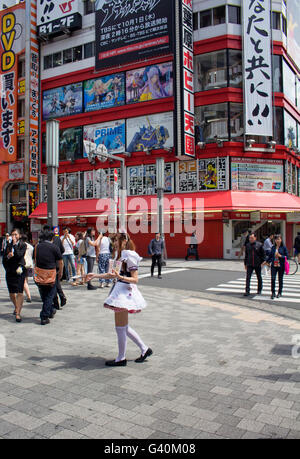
(160,185)
(52,162)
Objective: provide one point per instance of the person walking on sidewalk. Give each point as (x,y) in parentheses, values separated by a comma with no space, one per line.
(48,257)
(103,259)
(14,265)
(297,246)
(28,266)
(268,244)
(124,299)
(254,259)
(276,260)
(156,248)
(91,245)
(68,242)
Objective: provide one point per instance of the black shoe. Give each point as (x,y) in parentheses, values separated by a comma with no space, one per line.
(259,292)
(279,295)
(159,277)
(91,287)
(18,318)
(246,294)
(113,363)
(272,296)
(63,301)
(53,314)
(143,357)
(28,300)
(45,321)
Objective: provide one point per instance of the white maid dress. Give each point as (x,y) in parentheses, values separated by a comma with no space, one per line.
(124,295)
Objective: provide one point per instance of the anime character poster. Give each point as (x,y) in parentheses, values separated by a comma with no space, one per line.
(293,29)
(151,132)
(105,92)
(110,134)
(208,174)
(70,144)
(149,83)
(63,101)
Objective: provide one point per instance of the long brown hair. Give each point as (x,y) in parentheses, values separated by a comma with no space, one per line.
(130,245)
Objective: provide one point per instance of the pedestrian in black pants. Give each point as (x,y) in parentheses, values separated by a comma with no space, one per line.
(48,257)
(155,249)
(254,258)
(276,260)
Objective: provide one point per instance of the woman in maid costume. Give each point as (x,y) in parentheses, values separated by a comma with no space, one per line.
(125,298)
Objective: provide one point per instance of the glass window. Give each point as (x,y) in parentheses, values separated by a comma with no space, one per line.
(234,14)
(211,71)
(21,108)
(290,130)
(70,144)
(219,15)
(57,59)
(284,25)
(89,6)
(89,50)
(298,91)
(278,126)
(68,55)
(22,192)
(205,18)
(21,149)
(236,122)
(77,53)
(277,73)
(211,122)
(195,21)
(21,69)
(289,82)
(275,20)
(235,68)
(48,62)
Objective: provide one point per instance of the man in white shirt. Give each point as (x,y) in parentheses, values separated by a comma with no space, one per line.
(68,241)
(103,260)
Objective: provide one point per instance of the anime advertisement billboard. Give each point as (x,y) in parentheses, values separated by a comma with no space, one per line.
(105,92)
(151,132)
(110,134)
(63,101)
(293,30)
(149,83)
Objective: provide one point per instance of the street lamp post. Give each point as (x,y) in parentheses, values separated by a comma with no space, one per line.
(52,163)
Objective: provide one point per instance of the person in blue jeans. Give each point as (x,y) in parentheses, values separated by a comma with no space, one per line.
(68,242)
(276,260)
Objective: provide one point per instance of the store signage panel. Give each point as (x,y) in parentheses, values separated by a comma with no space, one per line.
(131,30)
(110,134)
(256,175)
(257,68)
(104,92)
(151,132)
(62,101)
(55,16)
(149,83)
(16,171)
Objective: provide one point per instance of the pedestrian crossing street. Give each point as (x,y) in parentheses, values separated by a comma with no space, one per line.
(291,288)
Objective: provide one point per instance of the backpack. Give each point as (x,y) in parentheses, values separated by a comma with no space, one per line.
(82,249)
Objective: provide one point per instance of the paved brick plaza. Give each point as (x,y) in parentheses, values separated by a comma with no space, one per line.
(219,370)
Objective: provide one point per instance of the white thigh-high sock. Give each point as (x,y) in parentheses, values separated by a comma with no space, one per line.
(122,342)
(136,339)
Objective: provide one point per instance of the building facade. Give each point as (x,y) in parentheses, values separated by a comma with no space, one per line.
(246,178)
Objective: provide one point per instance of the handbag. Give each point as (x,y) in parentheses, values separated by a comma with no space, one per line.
(286,266)
(44,277)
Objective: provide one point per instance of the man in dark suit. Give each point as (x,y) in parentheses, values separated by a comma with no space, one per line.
(254,259)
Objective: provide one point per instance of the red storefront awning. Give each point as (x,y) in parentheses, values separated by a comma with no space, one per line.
(188,202)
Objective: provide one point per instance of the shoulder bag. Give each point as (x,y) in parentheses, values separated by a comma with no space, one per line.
(44,277)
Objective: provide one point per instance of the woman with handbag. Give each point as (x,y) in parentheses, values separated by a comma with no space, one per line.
(125,298)
(14,264)
(277,259)
(47,256)
(28,266)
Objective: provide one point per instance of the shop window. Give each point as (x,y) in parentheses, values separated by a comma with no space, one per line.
(284,25)
(21,149)
(21,108)
(275,20)
(298,92)
(219,15)
(290,130)
(234,14)
(89,7)
(278,126)
(48,62)
(14,194)
(21,69)
(211,71)
(236,122)
(22,192)
(89,50)
(57,59)
(289,82)
(212,122)
(235,68)
(68,56)
(77,53)
(205,18)
(277,73)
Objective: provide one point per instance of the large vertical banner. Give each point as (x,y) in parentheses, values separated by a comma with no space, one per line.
(293,30)
(11,44)
(185,115)
(257,68)
(131,30)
